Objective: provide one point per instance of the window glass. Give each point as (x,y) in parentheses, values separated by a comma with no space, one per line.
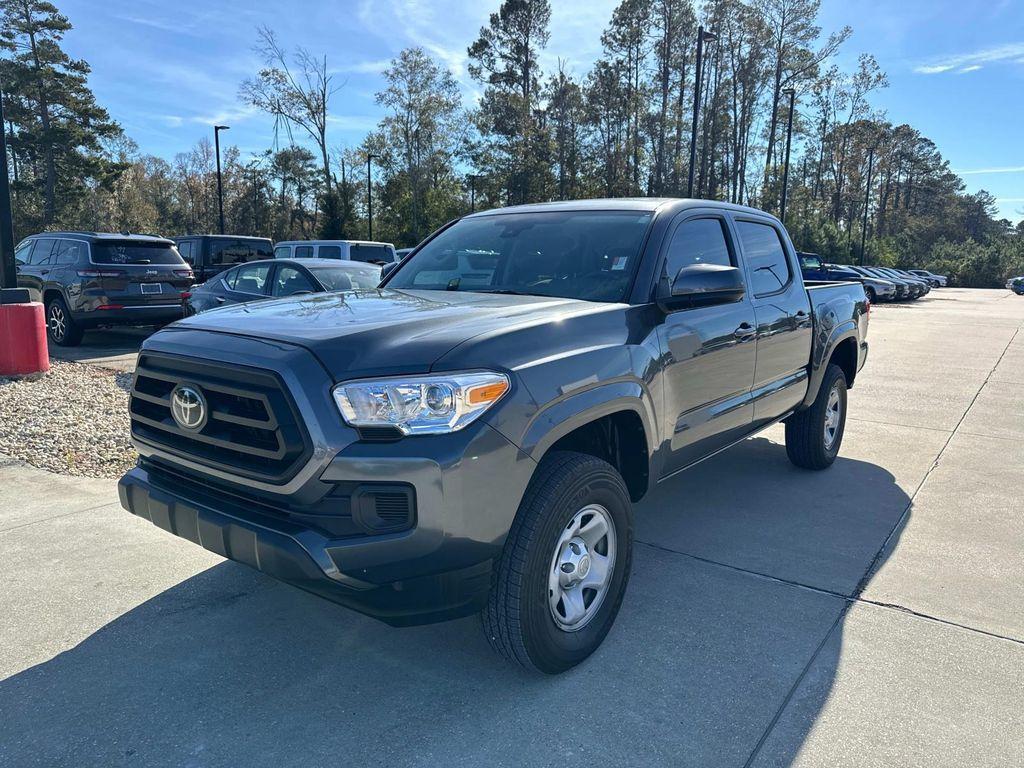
(589,255)
(303,251)
(134,252)
(765,255)
(251,278)
(185,248)
(281,252)
(373,254)
(330,252)
(41,253)
(70,252)
(810,261)
(698,241)
(290,280)
(227,251)
(21,255)
(347,276)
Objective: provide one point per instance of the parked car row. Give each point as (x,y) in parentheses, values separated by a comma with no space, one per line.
(93,279)
(880,283)
(1016,284)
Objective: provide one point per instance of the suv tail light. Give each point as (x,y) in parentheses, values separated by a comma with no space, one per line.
(100,273)
(184,273)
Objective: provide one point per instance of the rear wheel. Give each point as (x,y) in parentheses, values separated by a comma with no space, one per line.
(560,581)
(814,435)
(61,328)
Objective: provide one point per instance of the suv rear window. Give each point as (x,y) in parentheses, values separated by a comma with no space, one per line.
(374,254)
(134,252)
(229,251)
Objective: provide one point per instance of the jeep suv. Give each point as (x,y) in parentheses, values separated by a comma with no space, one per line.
(89,279)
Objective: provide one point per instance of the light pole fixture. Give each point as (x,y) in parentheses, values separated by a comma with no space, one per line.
(702,37)
(370,157)
(220,188)
(791,92)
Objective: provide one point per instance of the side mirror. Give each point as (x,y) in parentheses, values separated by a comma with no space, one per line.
(387,269)
(705,284)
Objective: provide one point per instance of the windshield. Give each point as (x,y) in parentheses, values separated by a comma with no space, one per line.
(589,255)
(346,279)
(134,252)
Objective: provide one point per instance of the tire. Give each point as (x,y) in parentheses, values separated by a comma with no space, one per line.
(808,444)
(61,328)
(870,293)
(520,617)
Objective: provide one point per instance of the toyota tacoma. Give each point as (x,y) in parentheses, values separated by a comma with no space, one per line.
(471,435)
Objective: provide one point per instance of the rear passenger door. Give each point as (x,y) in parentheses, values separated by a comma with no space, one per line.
(248,282)
(34,273)
(708,351)
(782,310)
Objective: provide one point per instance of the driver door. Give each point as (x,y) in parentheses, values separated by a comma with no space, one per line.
(708,351)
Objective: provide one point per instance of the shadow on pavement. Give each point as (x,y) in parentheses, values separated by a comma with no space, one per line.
(231,668)
(101,345)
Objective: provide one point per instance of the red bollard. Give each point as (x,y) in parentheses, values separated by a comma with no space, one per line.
(23,351)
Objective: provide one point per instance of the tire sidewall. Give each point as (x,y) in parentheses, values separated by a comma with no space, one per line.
(551,648)
(58,304)
(837,380)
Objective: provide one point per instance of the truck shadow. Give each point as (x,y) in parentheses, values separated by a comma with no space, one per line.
(231,668)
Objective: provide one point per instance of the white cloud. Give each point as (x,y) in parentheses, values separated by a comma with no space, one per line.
(969,62)
(363,67)
(981,171)
(972,68)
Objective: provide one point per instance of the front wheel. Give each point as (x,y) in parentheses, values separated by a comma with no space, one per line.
(813,435)
(560,580)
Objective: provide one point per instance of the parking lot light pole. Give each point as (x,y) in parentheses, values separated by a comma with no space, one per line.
(8,273)
(370,157)
(791,92)
(220,190)
(472,192)
(702,36)
(867,200)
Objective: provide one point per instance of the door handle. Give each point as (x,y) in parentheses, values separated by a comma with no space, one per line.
(221,299)
(745,331)
(44,271)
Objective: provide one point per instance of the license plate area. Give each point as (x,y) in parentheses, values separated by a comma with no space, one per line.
(151,287)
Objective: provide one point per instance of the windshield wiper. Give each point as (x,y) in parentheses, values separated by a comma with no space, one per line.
(506,291)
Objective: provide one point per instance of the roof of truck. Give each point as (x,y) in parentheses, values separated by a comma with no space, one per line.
(645,204)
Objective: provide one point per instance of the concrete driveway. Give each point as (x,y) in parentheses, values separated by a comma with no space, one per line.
(115,348)
(871,615)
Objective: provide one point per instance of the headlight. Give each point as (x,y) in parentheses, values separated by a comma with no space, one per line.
(420,405)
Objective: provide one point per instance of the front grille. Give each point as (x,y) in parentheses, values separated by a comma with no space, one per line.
(253,429)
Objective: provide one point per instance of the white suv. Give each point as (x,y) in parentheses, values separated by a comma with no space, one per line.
(345,250)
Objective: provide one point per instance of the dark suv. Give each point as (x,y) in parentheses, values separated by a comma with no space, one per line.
(209,255)
(88,279)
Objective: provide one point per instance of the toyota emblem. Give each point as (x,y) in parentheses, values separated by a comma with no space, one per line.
(188,407)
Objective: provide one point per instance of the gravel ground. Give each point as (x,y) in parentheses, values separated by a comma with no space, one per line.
(74,420)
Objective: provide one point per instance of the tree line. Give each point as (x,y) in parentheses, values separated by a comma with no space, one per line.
(860,186)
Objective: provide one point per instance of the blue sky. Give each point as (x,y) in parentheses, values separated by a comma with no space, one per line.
(168,71)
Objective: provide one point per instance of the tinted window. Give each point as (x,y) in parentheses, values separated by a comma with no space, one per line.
(808,261)
(41,253)
(376,254)
(21,255)
(699,241)
(70,252)
(186,250)
(303,251)
(281,252)
(249,279)
(330,252)
(590,255)
(228,251)
(348,277)
(135,252)
(765,255)
(290,280)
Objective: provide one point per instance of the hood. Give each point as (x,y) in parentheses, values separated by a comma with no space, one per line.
(383,331)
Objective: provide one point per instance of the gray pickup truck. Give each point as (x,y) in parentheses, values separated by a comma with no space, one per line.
(471,436)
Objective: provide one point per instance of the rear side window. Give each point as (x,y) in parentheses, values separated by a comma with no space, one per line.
(766,257)
(248,279)
(186,249)
(698,241)
(303,251)
(374,254)
(21,255)
(41,253)
(70,252)
(330,252)
(135,252)
(228,251)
